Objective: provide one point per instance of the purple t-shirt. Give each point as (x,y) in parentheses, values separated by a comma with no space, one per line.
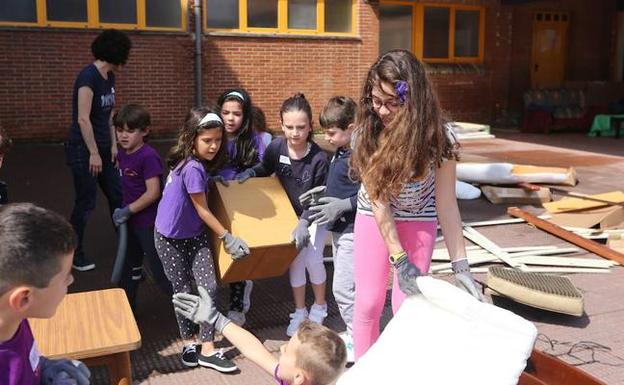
(19,358)
(229,171)
(177,217)
(278,380)
(135,169)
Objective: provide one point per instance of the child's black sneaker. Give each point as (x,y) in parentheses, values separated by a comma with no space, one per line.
(189,355)
(81,263)
(217,361)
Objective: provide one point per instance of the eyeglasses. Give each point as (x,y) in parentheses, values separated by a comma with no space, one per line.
(390,104)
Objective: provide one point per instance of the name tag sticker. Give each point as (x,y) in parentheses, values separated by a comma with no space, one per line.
(34,356)
(284,159)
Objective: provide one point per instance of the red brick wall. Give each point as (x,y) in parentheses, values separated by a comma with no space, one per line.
(39,67)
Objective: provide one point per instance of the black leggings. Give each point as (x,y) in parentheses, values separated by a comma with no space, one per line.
(185,261)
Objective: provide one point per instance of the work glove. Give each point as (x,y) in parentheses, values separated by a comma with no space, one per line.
(235,246)
(464,279)
(244,175)
(311,197)
(200,310)
(64,372)
(121,215)
(220,179)
(407,273)
(300,235)
(329,209)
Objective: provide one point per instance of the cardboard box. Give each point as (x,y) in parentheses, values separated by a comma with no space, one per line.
(577,204)
(259,212)
(602,218)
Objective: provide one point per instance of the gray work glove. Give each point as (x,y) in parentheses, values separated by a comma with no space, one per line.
(121,215)
(301,235)
(244,175)
(235,246)
(311,197)
(220,179)
(407,273)
(64,372)
(200,310)
(464,279)
(329,209)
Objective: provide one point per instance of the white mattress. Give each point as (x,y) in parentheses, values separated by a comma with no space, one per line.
(445,336)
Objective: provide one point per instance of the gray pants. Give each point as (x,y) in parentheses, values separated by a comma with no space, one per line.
(344,285)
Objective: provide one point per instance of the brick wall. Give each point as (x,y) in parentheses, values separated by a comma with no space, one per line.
(39,67)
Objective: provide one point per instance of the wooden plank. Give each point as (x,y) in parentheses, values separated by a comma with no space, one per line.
(572,204)
(541,269)
(513,195)
(487,244)
(576,239)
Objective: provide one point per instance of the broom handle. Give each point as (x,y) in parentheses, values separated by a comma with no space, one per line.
(587,244)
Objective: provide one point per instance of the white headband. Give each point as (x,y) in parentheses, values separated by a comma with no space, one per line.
(210,117)
(237,94)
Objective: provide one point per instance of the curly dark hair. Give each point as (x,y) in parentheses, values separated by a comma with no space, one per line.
(112,46)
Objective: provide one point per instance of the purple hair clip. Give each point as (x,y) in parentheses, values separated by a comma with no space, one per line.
(401,89)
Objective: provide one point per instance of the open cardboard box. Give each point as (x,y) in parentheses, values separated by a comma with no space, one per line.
(602,218)
(259,212)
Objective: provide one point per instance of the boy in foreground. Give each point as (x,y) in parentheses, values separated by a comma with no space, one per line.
(36,251)
(315,355)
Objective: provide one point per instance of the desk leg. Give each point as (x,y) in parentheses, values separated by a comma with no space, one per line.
(120,371)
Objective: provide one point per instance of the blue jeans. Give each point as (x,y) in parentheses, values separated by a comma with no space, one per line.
(85,186)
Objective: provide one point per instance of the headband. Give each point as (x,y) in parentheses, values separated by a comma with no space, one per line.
(237,94)
(210,117)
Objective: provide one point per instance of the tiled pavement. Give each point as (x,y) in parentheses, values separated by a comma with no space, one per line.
(37,173)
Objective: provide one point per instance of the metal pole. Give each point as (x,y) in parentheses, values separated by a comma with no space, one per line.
(198,53)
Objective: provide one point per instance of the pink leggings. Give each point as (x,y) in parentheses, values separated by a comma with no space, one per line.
(372,269)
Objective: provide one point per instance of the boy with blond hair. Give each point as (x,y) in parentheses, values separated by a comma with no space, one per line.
(314,355)
(36,251)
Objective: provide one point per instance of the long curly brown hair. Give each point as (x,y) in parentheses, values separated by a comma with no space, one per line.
(385,157)
(184,149)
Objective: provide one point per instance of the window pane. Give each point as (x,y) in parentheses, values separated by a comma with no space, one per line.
(436,39)
(163,13)
(262,13)
(222,14)
(18,10)
(467,33)
(67,10)
(338,15)
(117,11)
(302,14)
(395,27)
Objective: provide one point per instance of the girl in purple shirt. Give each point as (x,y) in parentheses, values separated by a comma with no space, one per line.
(244,148)
(181,239)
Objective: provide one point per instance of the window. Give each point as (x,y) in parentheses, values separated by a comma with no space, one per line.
(323,17)
(437,33)
(122,14)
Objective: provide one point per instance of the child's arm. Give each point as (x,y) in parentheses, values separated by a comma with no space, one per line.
(151,195)
(201,310)
(451,225)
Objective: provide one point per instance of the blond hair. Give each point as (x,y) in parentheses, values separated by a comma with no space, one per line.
(322,353)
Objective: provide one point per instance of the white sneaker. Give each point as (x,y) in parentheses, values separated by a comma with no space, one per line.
(348,341)
(237,317)
(247,296)
(296,319)
(318,313)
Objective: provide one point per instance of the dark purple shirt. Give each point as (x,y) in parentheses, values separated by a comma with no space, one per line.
(229,171)
(135,169)
(177,217)
(19,358)
(296,175)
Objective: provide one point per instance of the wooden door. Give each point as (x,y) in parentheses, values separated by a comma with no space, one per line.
(548,59)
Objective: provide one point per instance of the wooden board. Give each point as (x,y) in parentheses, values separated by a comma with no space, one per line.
(573,204)
(513,195)
(260,213)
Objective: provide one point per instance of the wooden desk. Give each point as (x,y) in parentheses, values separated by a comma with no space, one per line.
(97,327)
